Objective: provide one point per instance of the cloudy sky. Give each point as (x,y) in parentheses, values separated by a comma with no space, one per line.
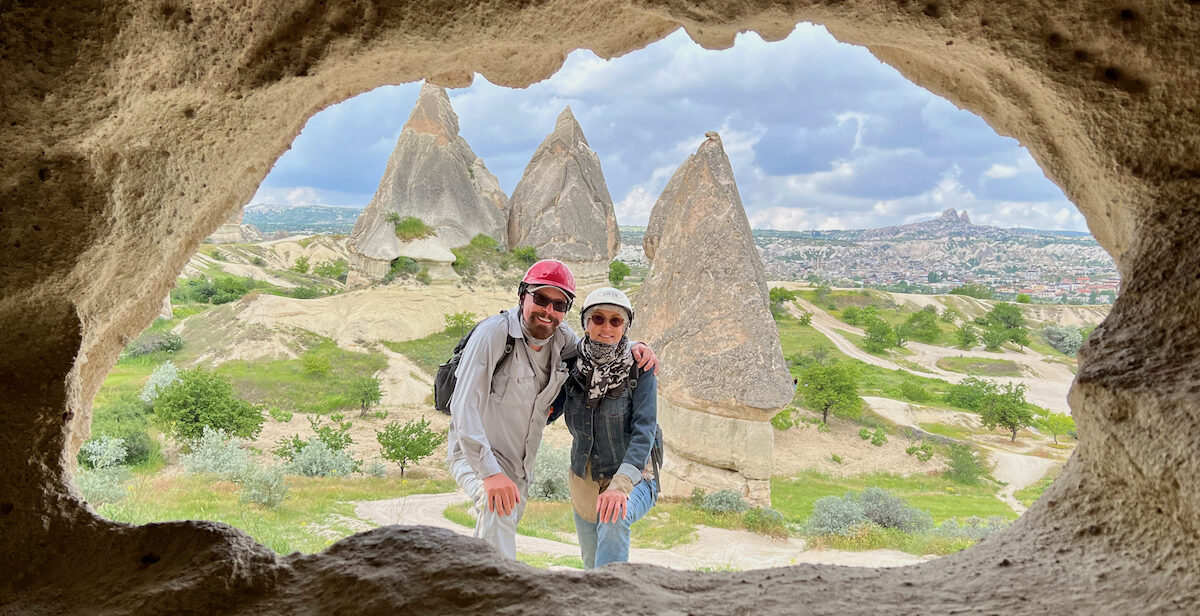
(821,135)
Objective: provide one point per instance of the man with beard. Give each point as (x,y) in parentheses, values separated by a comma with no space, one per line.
(503,396)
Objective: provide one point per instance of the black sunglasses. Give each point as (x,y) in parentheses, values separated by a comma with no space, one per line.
(559,305)
(599,321)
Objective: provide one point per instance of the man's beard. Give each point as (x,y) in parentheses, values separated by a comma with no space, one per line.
(540,329)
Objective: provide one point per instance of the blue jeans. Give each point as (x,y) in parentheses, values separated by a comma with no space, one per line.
(608,542)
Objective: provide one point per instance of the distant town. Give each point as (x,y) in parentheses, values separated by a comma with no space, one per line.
(947,254)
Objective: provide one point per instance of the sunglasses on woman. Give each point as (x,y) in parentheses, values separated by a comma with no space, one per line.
(599,321)
(559,305)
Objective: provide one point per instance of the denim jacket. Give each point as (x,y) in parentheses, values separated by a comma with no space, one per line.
(618,435)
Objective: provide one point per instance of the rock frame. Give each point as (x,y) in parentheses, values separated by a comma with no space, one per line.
(133,130)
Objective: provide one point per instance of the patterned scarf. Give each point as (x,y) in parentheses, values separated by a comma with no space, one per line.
(604,366)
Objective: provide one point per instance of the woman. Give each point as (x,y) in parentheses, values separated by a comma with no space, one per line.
(611,411)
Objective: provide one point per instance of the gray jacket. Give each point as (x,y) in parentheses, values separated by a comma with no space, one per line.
(497,416)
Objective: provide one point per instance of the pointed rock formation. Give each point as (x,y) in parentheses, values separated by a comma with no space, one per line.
(435,176)
(562,207)
(232,231)
(966,220)
(704,309)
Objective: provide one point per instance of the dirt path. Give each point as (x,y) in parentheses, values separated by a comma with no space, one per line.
(1048,384)
(1016,470)
(714,548)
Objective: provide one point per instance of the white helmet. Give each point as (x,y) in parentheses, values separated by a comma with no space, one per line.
(605,295)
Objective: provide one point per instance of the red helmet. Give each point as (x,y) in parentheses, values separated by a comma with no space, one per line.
(551,272)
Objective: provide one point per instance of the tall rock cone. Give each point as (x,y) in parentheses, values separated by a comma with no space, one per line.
(562,207)
(433,175)
(704,309)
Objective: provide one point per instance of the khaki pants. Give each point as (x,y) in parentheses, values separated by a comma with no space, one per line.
(499,531)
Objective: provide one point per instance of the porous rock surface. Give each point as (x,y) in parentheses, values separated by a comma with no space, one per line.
(704,309)
(130,131)
(434,175)
(561,206)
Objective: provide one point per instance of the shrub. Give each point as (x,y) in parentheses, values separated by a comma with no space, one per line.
(913,391)
(376,469)
(151,342)
(851,315)
(890,511)
(617,271)
(104,452)
(805,317)
(102,485)
(765,521)
(410,443)
(201,398)
(864,433)
(923,452)
(835,515)
(410,227)
(526,255)
(460,321)
(336,270)
(423,277)
(965,465)
(301,265)
(724,501)
(126,418)
(163,375)
(835,458)
(879,437)
(263,486)
(550,475)
(783,419)
(218,453)
(316,459)
(306,292)
(1065,340)
(279,414)
(314,364)
(697,497)
(402,267)
(973,528)
(259,261)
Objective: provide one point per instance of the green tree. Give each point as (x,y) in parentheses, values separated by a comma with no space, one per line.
(336,270)
(1020,336)
(201,398)
(823,292)
(1006,408)
(368,391)
(922,325)
(970,393)
(301,265)
(1006,315)
(879,336)
(617,271)
(1056,424)
(779,296)
(460,321)
(409,443)
(1023,299)
(950,315)
(966,336)
(852,315)
(933,277)
(977,291)
(993,337)
(831,388)
(526,255)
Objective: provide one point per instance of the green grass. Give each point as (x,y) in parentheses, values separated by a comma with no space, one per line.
(317,512)
(428,352)
(544,561)
(980,366)
(284,383)
(954,432)
(1031,493)
(871,537)
(942,498)
(668,524)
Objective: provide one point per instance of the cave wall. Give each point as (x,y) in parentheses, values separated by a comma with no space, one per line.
(130,130)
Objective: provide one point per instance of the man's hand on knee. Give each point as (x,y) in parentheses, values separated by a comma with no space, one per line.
(502,493)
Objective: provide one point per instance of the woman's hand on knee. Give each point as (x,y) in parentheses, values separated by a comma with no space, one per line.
(611,506)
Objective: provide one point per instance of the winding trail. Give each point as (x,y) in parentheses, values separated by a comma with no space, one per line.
(1047,387)
(713,548)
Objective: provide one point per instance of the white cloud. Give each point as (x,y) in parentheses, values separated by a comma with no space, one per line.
(308,195)
(998,171)
(635,208)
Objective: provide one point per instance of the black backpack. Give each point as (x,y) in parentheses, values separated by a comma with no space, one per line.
(445,380)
